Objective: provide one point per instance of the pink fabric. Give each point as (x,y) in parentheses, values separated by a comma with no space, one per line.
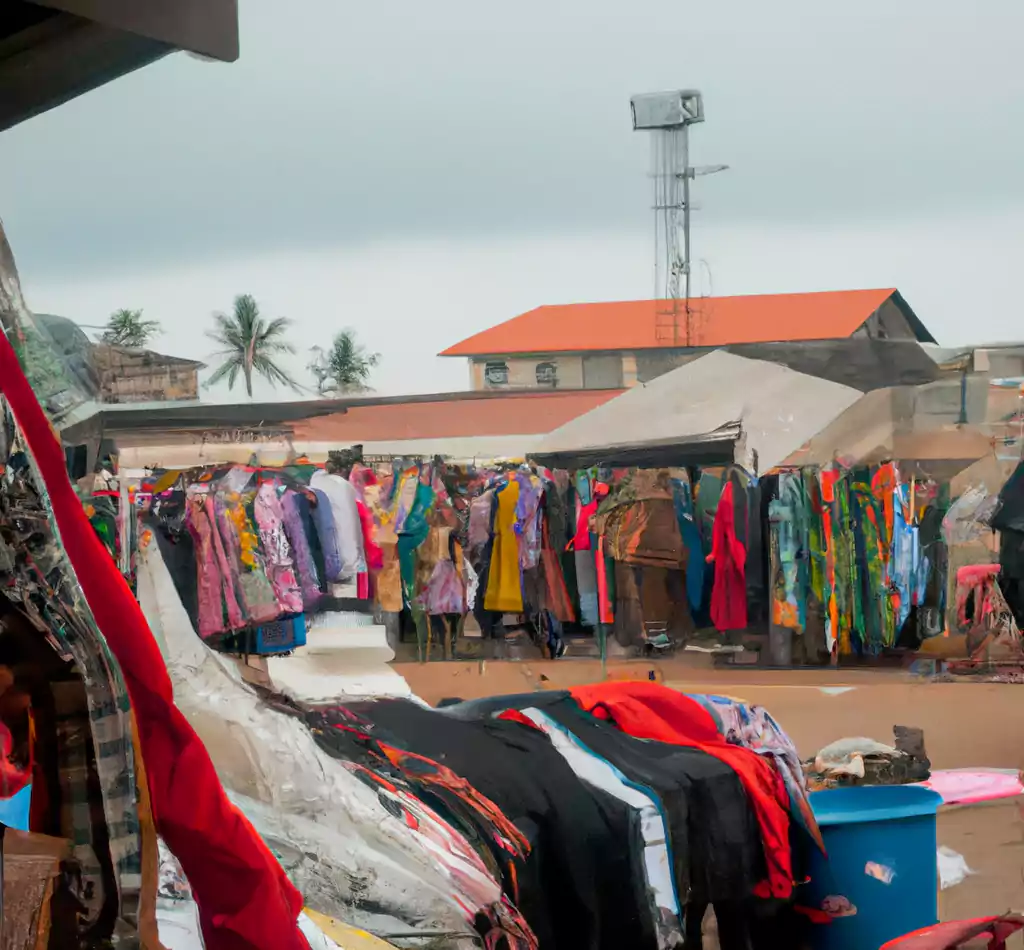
(215,590)
(277,550)
(372,550)
(966,786)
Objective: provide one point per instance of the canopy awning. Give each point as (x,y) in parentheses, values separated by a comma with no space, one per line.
(719,409)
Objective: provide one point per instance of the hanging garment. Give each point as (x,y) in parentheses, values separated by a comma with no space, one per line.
(242,545)
(305,566)
(374,555)
(729,596)
(585,565)
(403,499)
(327,536)
(877,623)
(605,609)
(361,478)
(305,501)
(443,592)
(991,632)
(389,581)
(556,594)
(789,542)
(909,567)
(348,531)
(690,533)
(277,550)
(528,514)
(586,586)
(219,610)
(504,585)
(650,711)
(479,531)
(414,532)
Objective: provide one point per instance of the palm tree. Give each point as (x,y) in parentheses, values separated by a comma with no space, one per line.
(249,344)
(346,366)
(129,328)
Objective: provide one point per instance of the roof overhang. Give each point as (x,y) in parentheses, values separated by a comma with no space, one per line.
(704,449)
(52,51)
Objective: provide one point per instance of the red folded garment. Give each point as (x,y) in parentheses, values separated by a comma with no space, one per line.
(650,711)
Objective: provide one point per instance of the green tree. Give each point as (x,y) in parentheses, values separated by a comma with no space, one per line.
(129,328)
(347,365)
(250,345)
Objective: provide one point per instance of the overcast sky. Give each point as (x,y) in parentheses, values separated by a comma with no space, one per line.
(421,171)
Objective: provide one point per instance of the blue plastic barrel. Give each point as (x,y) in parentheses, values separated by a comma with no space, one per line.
(14,811)
(880,879)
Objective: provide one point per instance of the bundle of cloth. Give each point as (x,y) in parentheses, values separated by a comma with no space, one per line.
(613,815)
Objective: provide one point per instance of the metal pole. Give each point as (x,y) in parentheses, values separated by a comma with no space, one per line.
(686,212)
(686,229)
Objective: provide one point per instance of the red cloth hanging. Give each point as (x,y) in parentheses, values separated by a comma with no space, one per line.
(581,541)
(245,900)
(729,594)
(605,612)
(651,711)
(371,549)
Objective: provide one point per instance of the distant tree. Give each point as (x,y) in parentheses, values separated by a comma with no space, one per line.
(129,328)
(345,367)
(249,345)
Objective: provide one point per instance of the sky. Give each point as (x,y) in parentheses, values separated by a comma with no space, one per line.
(418,172)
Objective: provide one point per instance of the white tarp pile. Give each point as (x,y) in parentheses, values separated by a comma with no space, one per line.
(348,853)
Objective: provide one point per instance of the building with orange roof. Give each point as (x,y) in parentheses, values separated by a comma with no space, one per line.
(462,425)
(616,345)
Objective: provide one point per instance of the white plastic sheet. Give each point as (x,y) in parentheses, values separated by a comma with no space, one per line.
(953,868)
(342,847)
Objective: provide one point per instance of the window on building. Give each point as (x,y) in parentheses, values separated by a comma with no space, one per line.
(602,372)
(547,374)
(496,373)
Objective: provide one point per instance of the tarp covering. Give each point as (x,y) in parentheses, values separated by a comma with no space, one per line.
(718,409)
(944,420)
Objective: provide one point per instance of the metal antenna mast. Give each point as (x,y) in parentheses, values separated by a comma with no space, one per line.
(668,117)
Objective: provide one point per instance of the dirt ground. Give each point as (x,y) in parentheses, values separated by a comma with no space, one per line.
(965,724)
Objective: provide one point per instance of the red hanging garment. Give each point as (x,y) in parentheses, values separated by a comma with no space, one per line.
(729,595)
(245,900)
(650,711)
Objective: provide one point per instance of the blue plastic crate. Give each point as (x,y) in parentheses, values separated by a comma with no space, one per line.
(280,636)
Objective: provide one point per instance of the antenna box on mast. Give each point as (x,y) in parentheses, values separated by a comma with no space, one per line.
(666,110)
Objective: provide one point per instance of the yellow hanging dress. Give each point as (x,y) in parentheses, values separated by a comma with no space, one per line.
(504,587)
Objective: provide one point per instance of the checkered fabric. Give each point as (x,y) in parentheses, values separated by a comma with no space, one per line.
(95,752)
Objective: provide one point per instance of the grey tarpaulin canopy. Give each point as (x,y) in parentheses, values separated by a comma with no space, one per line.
(719,409)
(946,421)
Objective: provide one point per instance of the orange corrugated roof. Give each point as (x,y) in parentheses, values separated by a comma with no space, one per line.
(714,321)
(526,413)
